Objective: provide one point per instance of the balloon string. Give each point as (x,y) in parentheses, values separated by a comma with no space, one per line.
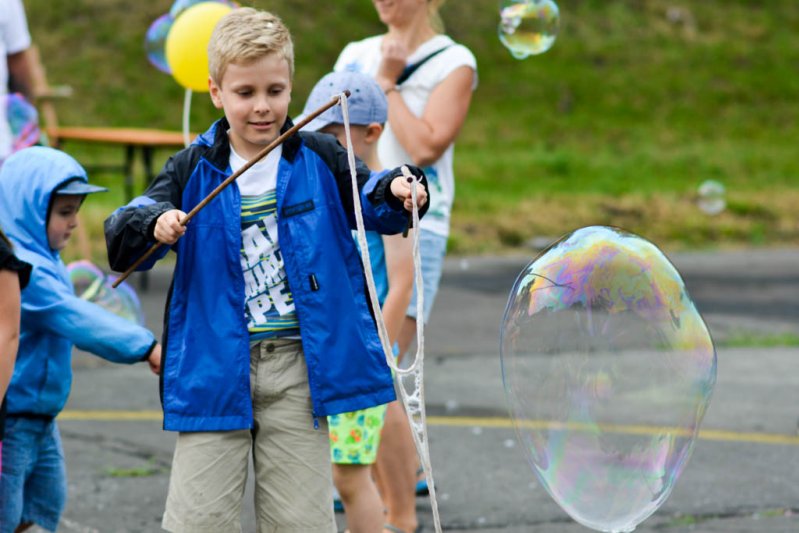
(186,114)
(414,402)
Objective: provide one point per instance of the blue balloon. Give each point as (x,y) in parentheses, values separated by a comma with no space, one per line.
(155,42)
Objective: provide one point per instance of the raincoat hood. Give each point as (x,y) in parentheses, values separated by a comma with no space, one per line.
(27,181)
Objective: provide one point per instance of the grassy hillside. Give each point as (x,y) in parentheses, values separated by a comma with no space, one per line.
(638,102)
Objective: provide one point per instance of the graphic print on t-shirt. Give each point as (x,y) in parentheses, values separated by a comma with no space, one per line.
(269,306)
(439,205)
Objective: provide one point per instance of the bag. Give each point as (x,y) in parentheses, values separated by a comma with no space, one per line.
(410,69)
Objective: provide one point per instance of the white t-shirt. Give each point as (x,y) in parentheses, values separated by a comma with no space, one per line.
(259,178)
(365,56)
(269,304)
(14,38)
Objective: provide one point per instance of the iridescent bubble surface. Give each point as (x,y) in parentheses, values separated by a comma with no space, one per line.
(91,284)
(608,369)
(528,27)
(155,42)
(711,197)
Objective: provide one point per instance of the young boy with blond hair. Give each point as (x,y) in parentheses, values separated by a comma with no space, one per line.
(268,329)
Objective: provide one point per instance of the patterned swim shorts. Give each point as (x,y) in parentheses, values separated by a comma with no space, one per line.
(355,436)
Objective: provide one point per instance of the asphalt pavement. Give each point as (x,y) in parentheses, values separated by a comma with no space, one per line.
(741,477)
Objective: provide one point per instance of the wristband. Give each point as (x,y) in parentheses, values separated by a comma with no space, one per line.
(390,89)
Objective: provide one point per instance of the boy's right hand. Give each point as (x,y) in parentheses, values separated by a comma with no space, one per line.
(168,228)
(154,360)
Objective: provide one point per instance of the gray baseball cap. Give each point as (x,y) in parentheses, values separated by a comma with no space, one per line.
(366,104)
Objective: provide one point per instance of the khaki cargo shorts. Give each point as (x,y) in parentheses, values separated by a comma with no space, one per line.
(293,475)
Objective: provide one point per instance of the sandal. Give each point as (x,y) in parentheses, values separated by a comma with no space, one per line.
(421,485)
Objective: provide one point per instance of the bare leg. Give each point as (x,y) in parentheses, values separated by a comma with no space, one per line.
(406,336)
(23,527)
(395,469)
(362,504)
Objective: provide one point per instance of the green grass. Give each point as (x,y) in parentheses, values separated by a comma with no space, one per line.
(760,340)
(638,102)
(141,471)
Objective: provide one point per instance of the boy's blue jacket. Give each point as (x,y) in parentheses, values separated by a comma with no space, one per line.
(205,379)
(53,318)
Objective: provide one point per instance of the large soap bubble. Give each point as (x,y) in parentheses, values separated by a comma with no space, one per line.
(528,27)
(608,369)
(91,284)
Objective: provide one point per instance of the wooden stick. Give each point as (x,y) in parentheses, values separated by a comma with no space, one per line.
(260,155)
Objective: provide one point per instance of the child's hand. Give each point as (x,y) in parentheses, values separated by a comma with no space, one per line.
(402,190)
(155,360)
(168,228)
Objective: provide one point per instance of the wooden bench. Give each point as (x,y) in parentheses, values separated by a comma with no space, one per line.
(141,141)
(133,141)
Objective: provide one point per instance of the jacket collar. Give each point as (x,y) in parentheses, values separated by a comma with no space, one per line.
(216,139)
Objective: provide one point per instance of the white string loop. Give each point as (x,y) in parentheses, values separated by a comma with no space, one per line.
(414,401)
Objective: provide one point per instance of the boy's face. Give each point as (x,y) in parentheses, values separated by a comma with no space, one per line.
(255,98)
(63,219)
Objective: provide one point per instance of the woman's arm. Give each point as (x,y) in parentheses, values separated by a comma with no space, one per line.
(9,326)
(426,138)
(399,269)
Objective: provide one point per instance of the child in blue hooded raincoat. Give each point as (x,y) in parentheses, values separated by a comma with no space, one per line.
(41,190)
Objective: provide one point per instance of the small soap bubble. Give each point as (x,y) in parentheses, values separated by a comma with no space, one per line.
(711,197)
(509,443)
(451,406)
(528,27)
(608,369)
(93,285)
(477,430)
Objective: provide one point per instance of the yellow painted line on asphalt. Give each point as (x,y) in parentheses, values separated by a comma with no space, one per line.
(704,434)
(486,422)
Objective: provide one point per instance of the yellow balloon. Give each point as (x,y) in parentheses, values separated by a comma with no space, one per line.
(187,44)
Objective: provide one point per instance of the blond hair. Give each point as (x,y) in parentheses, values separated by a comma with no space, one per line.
(245,35)
(433,15)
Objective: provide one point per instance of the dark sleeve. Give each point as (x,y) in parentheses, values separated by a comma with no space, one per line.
(335,156)
(8,261)
(382,191)
(129,229)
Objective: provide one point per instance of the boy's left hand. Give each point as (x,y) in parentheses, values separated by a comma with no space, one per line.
(402,190)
